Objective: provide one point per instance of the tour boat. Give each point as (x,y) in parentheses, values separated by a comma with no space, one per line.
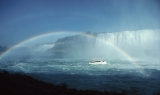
(98,62)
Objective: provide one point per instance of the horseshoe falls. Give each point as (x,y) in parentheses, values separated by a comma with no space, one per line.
(137,44)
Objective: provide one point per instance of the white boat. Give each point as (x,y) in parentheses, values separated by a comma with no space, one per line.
(98,62)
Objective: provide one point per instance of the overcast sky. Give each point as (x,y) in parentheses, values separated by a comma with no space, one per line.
(22,19)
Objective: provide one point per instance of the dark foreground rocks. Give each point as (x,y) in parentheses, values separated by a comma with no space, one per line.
(19,84)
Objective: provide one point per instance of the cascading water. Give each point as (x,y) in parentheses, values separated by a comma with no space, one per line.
(139,43)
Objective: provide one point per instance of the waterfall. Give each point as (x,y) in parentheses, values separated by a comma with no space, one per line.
(140,37)
(136,43)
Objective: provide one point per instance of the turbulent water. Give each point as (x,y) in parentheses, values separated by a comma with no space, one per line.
(117,75)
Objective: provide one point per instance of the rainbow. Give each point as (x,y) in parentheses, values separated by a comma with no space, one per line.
(84,34)
(31,39)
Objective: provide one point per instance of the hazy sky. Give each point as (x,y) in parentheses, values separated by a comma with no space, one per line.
(22,19)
